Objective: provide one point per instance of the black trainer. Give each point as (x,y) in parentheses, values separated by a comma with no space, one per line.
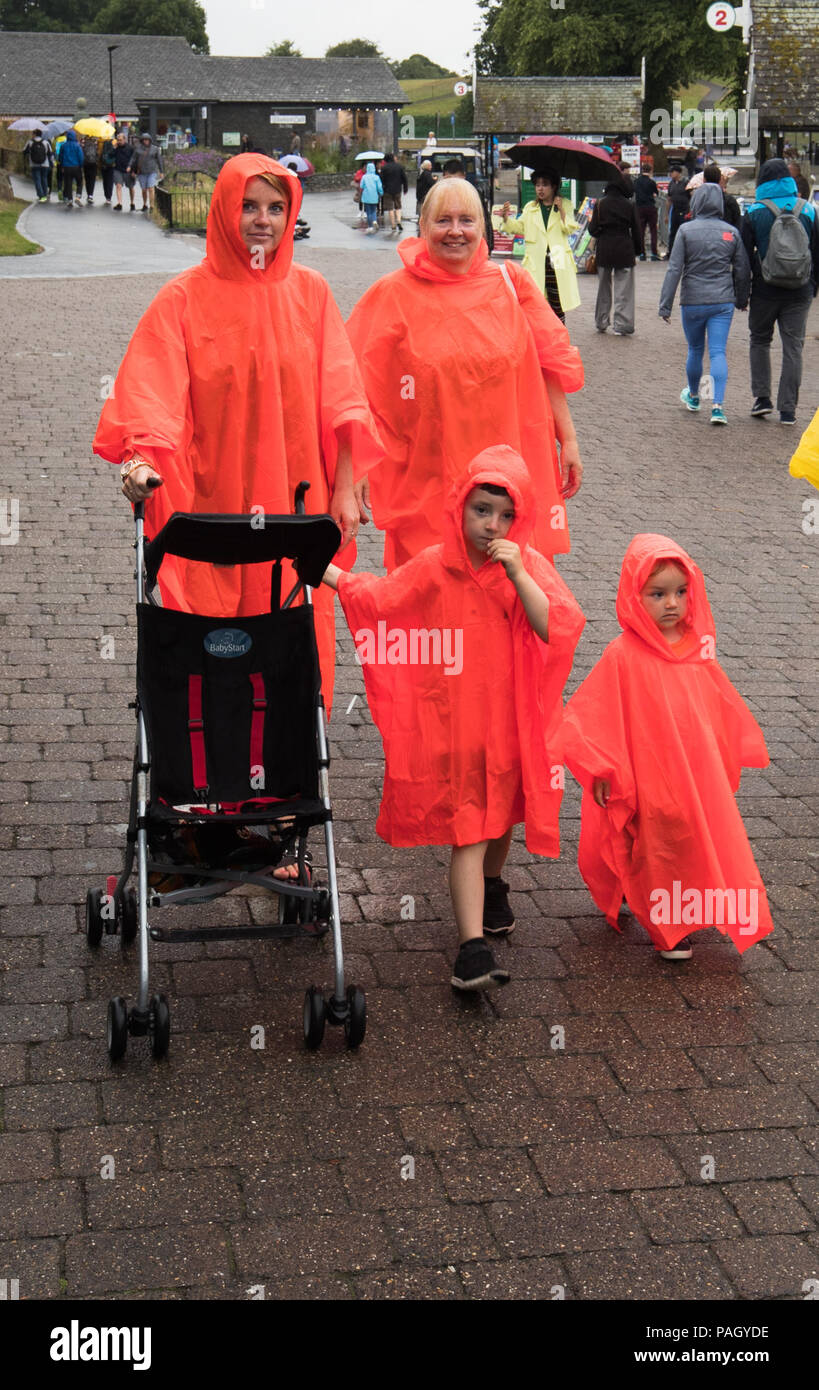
(763,405)
(498,917)
(475,968)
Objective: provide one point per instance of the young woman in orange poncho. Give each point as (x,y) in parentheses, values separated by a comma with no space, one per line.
(457,353)
(658,736)
(466,649)
(238,383)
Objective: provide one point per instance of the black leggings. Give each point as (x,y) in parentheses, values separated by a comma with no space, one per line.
(70,174)
(90,172)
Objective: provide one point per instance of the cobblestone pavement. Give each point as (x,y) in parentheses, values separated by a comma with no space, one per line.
(534,1165)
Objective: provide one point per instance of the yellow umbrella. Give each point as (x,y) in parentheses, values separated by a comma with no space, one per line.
(95,125)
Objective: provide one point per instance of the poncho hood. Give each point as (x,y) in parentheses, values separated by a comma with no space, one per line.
(502,467)
(707,201)
(643,554)
(227,254)
(415,255)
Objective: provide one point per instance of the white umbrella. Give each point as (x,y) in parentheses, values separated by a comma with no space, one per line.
(297,163)
(370,154)
(697,180)
(57,128)
(29,123)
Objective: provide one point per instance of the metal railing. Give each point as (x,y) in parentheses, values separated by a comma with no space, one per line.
(184,209)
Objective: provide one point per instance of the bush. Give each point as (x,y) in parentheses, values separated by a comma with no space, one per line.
(184,163)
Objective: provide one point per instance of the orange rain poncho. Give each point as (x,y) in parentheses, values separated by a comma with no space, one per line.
(234,386)
(452,364)
(471,740)
(665,726)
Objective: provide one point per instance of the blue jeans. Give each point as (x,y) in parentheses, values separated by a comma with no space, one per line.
(371,210)
(715,320)
(39,172)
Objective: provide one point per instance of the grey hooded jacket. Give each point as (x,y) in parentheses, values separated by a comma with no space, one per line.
(709,255)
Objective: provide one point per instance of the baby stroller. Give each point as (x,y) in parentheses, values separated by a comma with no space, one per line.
(230,766)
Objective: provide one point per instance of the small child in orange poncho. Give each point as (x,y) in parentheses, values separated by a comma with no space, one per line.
(466,649)
(658,736)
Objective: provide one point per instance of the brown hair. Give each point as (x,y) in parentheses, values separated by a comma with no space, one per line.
(280,185)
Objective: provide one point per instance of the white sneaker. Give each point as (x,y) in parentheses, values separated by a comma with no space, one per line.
(682,951)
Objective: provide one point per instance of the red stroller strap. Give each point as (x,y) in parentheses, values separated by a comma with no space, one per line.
(196,732)
(257,726)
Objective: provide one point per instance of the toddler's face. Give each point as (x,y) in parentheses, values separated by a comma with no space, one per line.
(665,599)
(486,518)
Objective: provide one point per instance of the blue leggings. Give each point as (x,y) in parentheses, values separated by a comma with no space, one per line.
(715,320)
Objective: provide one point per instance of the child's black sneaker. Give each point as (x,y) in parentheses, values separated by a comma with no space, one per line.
(498,917)
(475,968)
(682,951)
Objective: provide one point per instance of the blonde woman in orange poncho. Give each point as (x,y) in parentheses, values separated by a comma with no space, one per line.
(457,356)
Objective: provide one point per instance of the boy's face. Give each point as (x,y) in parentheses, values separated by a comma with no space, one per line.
(487,517)
(665,599)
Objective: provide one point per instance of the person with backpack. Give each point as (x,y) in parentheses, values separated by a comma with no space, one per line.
(70,162)
(108,167)
(781,237)
(90,150)
(39,159)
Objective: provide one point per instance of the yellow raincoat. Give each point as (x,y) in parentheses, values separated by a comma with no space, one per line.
(805,462)
(555,238)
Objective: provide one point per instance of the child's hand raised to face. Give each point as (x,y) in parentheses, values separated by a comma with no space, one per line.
(507,553)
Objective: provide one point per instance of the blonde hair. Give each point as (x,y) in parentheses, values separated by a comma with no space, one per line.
(448,193)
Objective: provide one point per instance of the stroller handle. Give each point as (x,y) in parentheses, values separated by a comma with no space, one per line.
(224,539)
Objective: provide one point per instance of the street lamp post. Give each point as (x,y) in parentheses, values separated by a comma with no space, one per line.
(111,48)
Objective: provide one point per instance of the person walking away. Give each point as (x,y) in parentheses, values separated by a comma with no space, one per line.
(731,210)
(371,190)
(781,237)
(546,224)
(123,158)
(423,184)
(147,165)
(802,185)
(658,736)
(394,182)
(679,201)
(614,224)
(645,200)
(90,150)
(39,159)
(70,162)
(107,166)
(469,756)
(716,279)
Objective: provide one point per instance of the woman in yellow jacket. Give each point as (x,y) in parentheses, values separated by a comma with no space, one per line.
(546,224)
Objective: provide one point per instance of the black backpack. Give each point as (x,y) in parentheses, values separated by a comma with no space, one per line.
(38,153)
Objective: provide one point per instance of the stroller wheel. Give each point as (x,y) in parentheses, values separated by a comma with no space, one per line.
(160,1025)
(128,917)
(355,1024)
(117,1031)
(315,1015)
(93,916)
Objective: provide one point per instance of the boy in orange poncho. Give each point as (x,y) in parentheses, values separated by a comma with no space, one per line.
(466,649)
(238,383)
(658,736)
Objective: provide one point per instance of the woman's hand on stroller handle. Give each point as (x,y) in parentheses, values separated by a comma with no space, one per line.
(141,483)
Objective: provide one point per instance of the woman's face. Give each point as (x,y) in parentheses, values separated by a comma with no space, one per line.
(452,238)
(545,191)
(263,219)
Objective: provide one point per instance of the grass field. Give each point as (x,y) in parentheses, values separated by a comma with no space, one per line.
(11,243)
(428,95)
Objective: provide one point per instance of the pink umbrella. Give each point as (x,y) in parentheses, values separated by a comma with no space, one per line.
(573,159)
(727,173)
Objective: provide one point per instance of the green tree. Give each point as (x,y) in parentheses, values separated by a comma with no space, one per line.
(354,48)
(417,66)
(170,17)
(54,16)
(285,49)
(527,38)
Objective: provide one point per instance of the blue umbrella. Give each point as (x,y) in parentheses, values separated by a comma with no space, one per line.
(56,128)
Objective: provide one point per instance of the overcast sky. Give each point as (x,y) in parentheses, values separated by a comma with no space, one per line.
(443,31)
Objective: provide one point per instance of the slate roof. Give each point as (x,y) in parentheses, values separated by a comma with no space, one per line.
(785,41)
(304,81)
(42,74)
(558,105)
